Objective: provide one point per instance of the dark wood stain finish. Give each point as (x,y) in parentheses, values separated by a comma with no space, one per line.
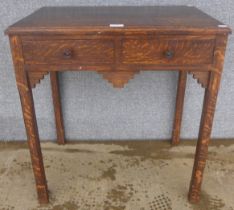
(57,107)
(69,52)
(210,98)
(35,77)
(157,51)
(26,99)
(177,38)
(179,107)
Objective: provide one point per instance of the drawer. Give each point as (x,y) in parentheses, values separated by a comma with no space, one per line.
(68,51)
(168,51)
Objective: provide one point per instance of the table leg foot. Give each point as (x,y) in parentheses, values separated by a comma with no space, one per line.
(193,198)
(43,195)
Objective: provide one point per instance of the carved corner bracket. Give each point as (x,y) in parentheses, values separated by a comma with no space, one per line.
(118,79)
(202,77)
(36,77)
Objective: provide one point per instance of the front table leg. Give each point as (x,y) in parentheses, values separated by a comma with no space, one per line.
(26,99)
(204,137)
(34,144)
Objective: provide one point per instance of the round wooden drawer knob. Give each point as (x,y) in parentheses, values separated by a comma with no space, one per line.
(169,54)
(67,53)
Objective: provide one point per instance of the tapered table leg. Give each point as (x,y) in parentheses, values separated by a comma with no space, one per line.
(34,144)
(26,98)
(57,107)
(207,119)
(179,107)
(204,137)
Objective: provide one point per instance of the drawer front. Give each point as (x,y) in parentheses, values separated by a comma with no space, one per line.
(68,51)
(168,51)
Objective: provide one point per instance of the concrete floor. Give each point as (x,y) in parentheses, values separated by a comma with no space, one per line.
(116,176)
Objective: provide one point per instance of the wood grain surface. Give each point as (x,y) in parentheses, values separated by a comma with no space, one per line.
(208,111)
(69,51)
(154,51)
(177,38)
(149,18)
(181,86)
(28,110)
(54,79)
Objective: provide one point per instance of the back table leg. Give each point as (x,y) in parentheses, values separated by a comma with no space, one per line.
(179,107)
(57,107)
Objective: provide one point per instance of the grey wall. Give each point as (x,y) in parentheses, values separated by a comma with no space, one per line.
(94,110)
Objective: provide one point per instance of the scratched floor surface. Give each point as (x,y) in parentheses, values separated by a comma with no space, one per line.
(116,176)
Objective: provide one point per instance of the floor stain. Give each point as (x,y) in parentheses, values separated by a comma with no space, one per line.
(70,150)
(136,175)
(151,150)
(8,208)
(118,197)
(144,153)
(66,206)
(109,173)
(24,165)
(2,171)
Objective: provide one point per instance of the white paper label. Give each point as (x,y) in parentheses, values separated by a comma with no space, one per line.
(116,25)
(222,26)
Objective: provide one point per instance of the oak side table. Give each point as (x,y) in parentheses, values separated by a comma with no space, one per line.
(118,42)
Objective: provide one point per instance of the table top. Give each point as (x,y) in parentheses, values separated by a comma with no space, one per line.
(120,18)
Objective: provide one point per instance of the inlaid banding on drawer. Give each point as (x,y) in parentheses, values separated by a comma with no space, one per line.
(167,51)
(69,51)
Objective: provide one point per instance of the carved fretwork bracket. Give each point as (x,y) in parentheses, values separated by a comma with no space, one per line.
(36,77)
(118,79)
(202,77)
